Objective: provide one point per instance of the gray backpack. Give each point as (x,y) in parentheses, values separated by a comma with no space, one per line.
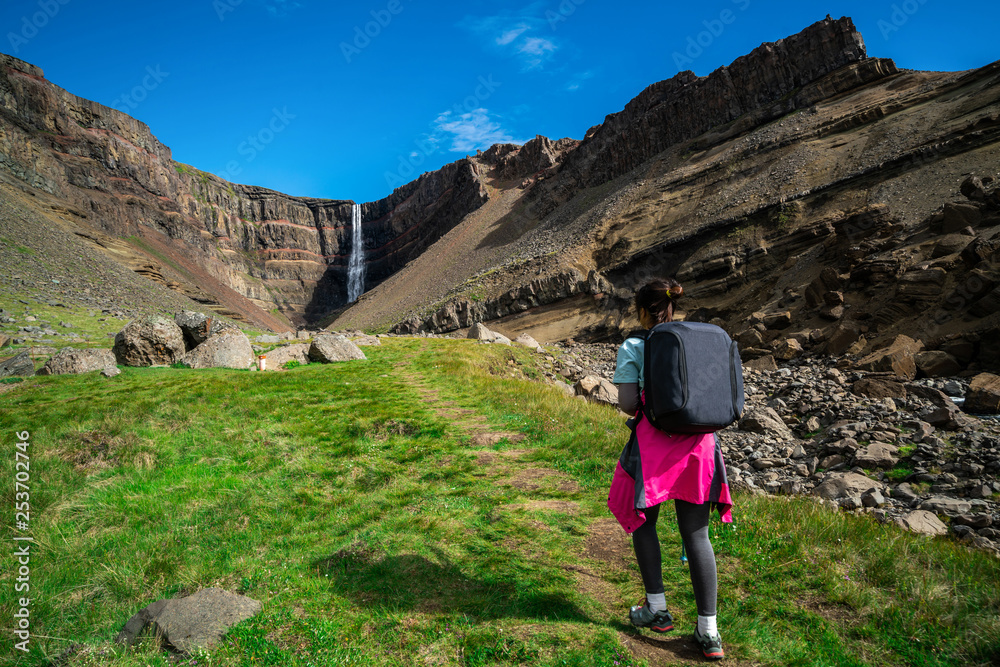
(693,378)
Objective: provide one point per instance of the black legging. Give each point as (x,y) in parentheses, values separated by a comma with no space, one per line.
(693,523)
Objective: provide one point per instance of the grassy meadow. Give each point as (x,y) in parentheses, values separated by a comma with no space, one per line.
(433,505)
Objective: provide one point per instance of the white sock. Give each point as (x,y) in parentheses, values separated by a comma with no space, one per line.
(657,601)
(707,626)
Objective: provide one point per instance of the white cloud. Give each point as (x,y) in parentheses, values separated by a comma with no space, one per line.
(510,35)
(471,131)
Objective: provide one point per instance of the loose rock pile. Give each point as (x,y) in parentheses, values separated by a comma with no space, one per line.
(865,441)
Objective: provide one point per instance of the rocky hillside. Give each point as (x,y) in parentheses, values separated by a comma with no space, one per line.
(806,192)
(243,249)
(837,211)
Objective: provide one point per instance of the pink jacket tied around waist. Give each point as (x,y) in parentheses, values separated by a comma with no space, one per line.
(656,466)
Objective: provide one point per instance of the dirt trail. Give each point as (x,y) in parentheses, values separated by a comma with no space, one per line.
(605,542)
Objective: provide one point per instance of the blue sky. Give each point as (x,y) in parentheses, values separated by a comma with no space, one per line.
(347,100)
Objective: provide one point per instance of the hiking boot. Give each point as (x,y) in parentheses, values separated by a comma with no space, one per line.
(711,645)
(657,621)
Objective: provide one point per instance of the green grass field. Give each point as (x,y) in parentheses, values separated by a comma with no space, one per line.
(430,506)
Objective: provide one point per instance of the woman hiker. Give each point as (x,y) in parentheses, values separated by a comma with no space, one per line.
(686,468)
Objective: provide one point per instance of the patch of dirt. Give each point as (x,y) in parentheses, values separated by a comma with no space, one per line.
(670,648)
(595,586)
(497,458)
(490,439)
(841,614)
(536,479)
(607,542)
(563,506)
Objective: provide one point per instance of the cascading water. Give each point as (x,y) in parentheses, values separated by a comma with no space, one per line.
(356,265)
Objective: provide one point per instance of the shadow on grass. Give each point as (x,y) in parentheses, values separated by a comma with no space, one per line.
(414,582)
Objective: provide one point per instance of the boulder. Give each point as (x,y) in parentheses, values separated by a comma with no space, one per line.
(198,621)
(597,389)
(480,332)
(278,357)
(780,320)
(111,371)
(976,521)
(897,357)
(71,361)
(948,417)
(267,339)
(946,504)
(876,455)
(842,338)
(845,485)
(20,364)
(749,338)
(766,421)
(764,363)
(937,364)
(923,522)
(788,349)
(149,341)
(878,388)
(230,348)
(973,188)
(196,327)
(958,215)
(330,348)
(528,342)
(983,396)
(4,341)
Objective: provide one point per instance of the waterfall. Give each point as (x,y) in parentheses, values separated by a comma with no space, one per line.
(356,266)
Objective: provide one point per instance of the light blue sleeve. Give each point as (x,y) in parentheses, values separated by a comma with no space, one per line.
(629,367)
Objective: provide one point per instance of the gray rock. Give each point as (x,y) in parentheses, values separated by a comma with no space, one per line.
(149,341)
(597,389)
(923,522)
(946,504)
(230,348)
(831,461)
(480,332)
(528,342)
(842,485)
(766,421)
(873,498)
(267,339)
(983,396)
(876,455)
(278,357)
(20,364)
(197,327)
(198,621)
(974,520)
(904,492)
(330,348)
(111,371)
(71,361)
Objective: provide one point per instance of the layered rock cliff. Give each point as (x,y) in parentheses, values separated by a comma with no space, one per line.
(277,250)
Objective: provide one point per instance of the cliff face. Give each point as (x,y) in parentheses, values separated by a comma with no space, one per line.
(277,250)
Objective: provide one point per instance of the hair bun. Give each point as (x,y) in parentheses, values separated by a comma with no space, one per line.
(675,292)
